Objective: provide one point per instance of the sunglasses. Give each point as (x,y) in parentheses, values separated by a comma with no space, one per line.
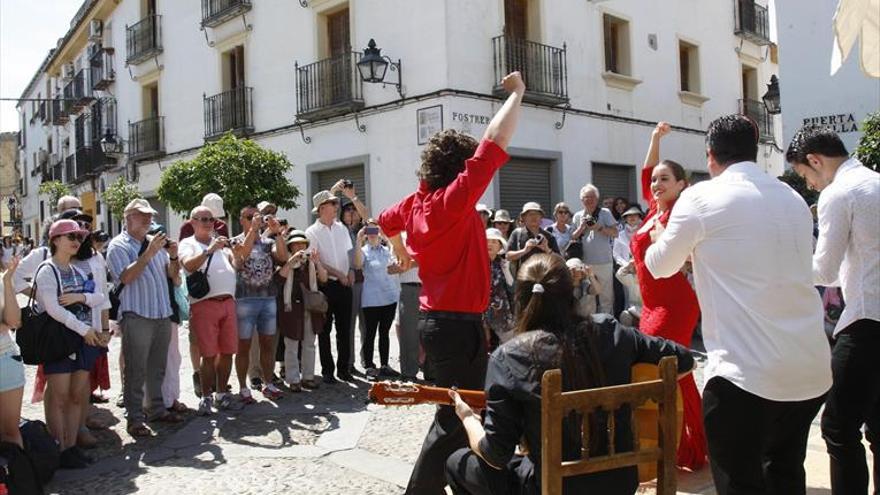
(84,225)
(204,219)
(74,237)
(564,212)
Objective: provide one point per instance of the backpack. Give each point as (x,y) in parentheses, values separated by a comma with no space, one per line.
(41,448)
(17,472)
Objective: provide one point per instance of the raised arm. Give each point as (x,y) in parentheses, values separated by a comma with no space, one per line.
(11,316)
(503,124)
(653,158)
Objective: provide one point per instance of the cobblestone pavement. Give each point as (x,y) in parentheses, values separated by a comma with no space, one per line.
(327,441)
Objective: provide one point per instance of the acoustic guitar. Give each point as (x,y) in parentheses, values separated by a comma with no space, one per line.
(646,416)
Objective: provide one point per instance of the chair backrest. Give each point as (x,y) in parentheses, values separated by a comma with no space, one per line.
(556,405)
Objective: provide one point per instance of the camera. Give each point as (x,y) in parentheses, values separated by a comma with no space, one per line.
(160,229)
(589,220)
(371,230)
(347,184)
(539,238)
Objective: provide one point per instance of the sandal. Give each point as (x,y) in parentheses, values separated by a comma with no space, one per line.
(178,407)
(139,430)
(169,417)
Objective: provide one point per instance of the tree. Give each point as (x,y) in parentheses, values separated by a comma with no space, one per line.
(55,189)
(119,194)
(239,170)
(797,183)
(868,149)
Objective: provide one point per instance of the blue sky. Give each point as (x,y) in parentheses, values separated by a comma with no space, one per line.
(28,29)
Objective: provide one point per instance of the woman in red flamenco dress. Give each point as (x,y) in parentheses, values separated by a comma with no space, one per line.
(670,308)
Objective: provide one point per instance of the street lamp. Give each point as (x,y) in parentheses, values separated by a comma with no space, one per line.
(111,145)
(373,66)
(771,97)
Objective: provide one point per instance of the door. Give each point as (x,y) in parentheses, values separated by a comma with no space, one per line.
(338,80)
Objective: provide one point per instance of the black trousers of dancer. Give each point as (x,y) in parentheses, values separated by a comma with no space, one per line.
(339,310)
(377,319)
(456,352)
(854,400)
(756,446)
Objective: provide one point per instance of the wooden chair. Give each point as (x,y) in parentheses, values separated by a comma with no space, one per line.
(556,404)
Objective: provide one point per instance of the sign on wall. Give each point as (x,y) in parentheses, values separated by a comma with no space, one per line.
(839,123)
(429,121)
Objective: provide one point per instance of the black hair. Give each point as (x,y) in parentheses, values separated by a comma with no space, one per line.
(733,138)
(818,140)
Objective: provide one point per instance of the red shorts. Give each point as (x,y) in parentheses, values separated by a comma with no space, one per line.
(215,326)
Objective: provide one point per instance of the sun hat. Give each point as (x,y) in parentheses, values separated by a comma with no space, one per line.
(296,236)
(574,263)
(140,205)
(64,227)
(633,210)
(262,205)
(75,214)
(496,234)
(481,208)
(502,216)
(322,197)
(531,206)
(214,202)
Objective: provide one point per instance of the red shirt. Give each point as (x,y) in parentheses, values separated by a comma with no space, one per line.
(447,236)
(187,229)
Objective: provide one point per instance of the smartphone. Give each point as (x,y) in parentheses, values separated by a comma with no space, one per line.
(371,230)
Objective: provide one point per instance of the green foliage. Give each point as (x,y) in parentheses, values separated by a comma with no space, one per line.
(119,194)
(868,149)
(55,189)
(239,170)
(800,185)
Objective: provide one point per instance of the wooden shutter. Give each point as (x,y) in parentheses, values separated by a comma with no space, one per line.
(338,33)
(516,18)
(615,180)
(521,181)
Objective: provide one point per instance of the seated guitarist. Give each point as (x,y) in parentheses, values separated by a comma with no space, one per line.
(593,353)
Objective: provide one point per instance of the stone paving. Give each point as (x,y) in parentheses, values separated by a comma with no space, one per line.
(327,441)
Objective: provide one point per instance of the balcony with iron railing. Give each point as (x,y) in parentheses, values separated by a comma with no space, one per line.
(146,138)
(229,111)
(75,93)
(143,39)
(60,110)
(69,169)
(89,161)
(57,171)
(216,12)
(543,68)
(329,87)
(752,21)
(756,111)
(102,70)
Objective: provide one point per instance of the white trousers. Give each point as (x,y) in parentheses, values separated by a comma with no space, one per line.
(605,274)
(171,383)
(291,361)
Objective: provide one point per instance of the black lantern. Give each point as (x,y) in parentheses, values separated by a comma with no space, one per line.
(373,67)
(771,97)
(110,145)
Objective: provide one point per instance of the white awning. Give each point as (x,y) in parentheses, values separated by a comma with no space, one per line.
(857,20)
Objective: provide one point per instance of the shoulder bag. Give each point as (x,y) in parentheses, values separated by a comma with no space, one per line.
(197,282)
(41,338)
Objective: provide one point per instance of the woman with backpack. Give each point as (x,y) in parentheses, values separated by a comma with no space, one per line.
(11,367)
(71,296)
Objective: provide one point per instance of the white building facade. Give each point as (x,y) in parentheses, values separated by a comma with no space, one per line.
(809,93)
(164,77)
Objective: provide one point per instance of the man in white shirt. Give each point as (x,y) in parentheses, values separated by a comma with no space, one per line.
(769,361)
(847,255)
(332,242)
(213,318)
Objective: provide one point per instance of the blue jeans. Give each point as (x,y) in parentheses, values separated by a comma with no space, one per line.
(255,313)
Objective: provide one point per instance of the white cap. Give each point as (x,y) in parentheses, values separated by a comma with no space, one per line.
(214,203)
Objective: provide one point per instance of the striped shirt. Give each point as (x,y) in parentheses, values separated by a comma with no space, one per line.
(147,295)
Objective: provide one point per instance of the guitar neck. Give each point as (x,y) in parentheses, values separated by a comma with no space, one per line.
(439,395)
(393,394)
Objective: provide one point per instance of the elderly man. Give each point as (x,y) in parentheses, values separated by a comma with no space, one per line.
(143,264)
(213,319)
(596,230)
(214,203)
(255,296)
(530,239)
(331,240)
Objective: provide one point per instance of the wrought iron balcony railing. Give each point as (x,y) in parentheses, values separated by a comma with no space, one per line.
(752,21)
(146,138)
(756,110)
(229,111)
(329,87)
(101,66)
(143,39)
(60,110)
(543,68)
(69,169)
(216,12)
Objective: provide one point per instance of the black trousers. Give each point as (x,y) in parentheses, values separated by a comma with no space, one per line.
(456,352)
(854,400)
(377,318)
(339,310)
(467,474)
(756,446)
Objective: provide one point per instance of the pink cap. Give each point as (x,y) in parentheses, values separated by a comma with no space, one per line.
(64,227)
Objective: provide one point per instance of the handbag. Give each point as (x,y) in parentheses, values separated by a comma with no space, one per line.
(314,300)
(197,282)
(41,338)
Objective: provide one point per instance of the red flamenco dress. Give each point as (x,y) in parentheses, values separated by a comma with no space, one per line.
(670,310)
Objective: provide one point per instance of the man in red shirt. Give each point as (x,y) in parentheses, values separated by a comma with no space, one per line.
(446,236)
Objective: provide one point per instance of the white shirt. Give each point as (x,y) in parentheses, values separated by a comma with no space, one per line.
(27,266)
(848,250)
(6,342)
(751,238)
(333,244)
(221,274)
(621,250)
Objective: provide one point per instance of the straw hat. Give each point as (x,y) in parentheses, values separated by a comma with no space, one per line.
(502,216)
(323,197)
(531,206)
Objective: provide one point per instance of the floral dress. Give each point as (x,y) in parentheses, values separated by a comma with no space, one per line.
(498,317)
